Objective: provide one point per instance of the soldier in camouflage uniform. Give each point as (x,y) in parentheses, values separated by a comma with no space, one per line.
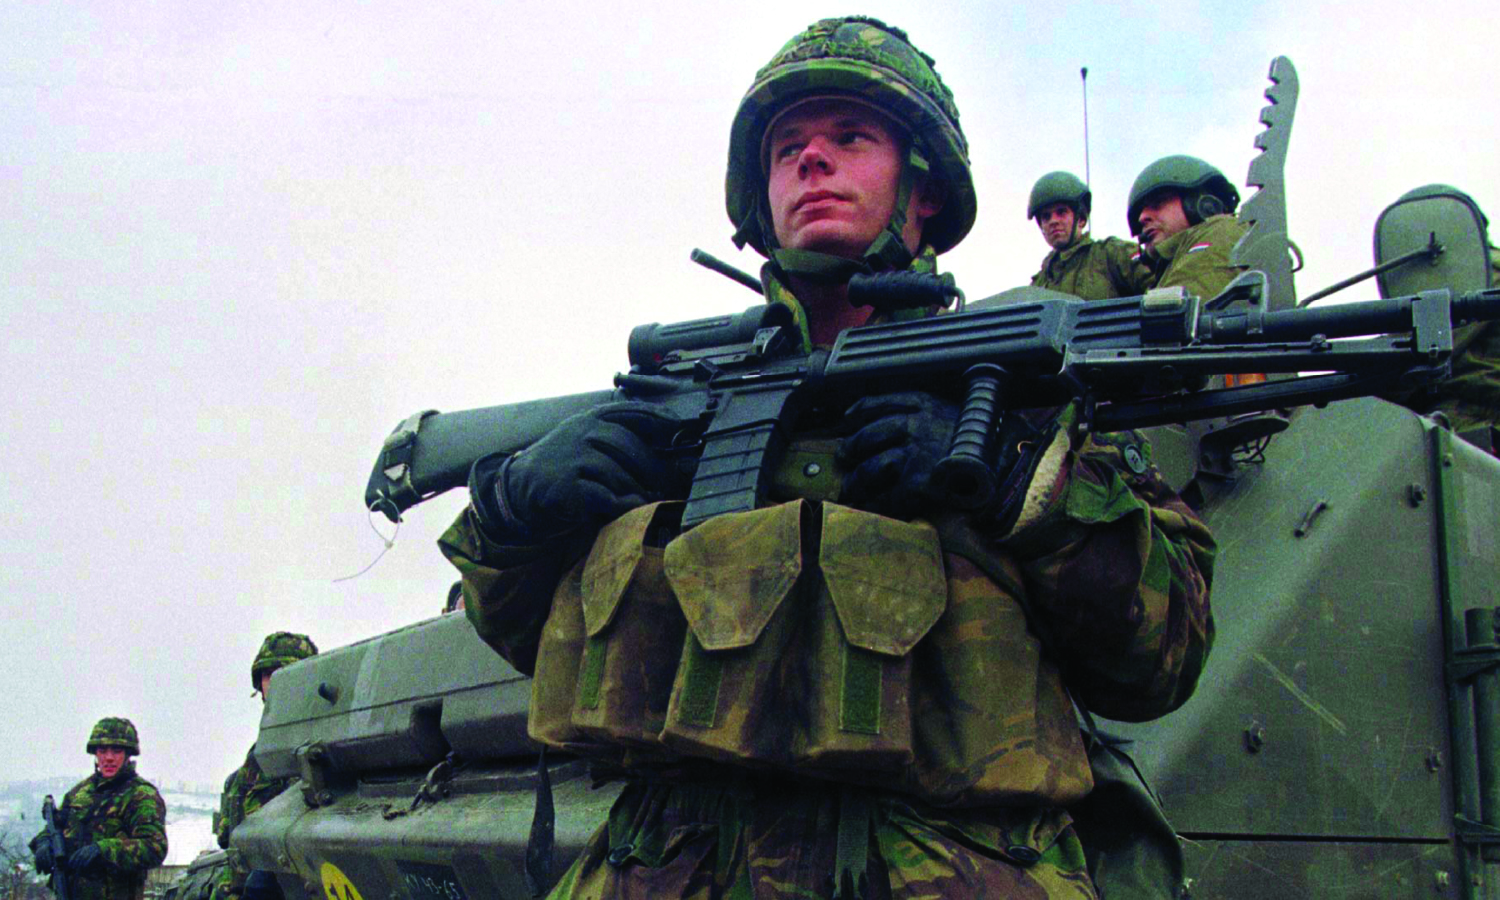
(1078,264)
(113,822)
(247,789)
(1470,398)
(1182,210)
(844,688)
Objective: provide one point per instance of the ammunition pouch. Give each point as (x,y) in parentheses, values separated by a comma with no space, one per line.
(809,637)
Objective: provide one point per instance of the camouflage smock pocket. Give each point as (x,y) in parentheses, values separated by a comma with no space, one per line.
(1010,737)
(736,677)
(882,589)
(633,630)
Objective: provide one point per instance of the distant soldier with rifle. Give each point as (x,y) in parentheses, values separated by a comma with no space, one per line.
(1078,264)
(113,824)
(1182,211)
(848,686)
(247,789)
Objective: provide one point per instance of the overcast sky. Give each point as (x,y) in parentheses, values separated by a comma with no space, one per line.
(240,242)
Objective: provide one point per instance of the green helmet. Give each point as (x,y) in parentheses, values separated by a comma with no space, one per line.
(112,731)
(865,58)
(280,649)
(1205,191)
(1438,190)
(1060,187)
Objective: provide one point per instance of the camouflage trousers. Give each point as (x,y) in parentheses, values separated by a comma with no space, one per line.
(789,839)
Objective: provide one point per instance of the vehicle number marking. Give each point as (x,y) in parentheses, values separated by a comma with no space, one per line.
(424,881)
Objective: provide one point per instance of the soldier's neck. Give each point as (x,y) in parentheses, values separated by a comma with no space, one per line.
(827,308)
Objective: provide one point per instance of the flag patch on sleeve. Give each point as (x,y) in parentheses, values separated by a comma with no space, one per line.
(1196,247)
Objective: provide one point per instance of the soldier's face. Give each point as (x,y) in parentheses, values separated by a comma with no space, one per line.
(832,172)
(1161,217)
(265,684)
(109,760)
(1058,223)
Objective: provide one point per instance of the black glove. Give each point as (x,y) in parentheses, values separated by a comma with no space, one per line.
(42,855)
(86,859)
(261,885)
(894,442)
(589,470)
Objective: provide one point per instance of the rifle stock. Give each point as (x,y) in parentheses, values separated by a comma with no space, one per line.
(1133,362)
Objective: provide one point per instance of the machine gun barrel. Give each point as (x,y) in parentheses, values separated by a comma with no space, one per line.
(1133,361)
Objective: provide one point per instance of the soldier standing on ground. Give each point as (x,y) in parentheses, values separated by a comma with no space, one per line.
(1182,211)
(113,822)
(1078,264)
(843,689)
(247,788)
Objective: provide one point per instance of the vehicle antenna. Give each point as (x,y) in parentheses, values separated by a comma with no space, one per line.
(1084,74)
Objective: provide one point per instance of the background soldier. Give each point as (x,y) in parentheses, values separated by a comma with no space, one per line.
(838,689)
(247,788)
(1079,265)
(114,821)
(1182,210)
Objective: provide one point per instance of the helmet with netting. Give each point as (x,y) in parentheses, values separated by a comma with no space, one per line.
(1059,187)
(867,60)
(113,731)
(1204,189)
(280,649)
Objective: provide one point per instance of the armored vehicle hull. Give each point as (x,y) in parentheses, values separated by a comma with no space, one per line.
(1329,752)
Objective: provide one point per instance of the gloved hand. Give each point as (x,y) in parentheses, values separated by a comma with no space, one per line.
(86,858)
(1031,467)
(894,442)
(589,470)
(43,858)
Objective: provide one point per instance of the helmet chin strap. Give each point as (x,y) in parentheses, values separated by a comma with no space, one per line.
(887,253)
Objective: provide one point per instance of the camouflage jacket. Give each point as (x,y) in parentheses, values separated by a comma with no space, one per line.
(912,635)
(1095,270)
(1471,396)
(1197,257)
(126,817)
(246,790)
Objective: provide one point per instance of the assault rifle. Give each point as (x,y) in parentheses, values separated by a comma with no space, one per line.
(52,834)
(741,381)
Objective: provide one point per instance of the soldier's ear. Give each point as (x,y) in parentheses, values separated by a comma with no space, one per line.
(927,198)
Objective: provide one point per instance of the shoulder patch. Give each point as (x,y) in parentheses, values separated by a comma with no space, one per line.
(1201,246)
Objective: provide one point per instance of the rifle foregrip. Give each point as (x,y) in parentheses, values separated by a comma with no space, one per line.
(965,478)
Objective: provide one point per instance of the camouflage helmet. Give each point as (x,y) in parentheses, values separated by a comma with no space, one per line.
(1438,190)
(1060,187)
(112,731)
(865,58)
(280,649)
(1204,189)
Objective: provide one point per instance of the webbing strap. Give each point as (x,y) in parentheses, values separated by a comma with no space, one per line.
(591,672)
(851,879)
(859,696)
(698,704)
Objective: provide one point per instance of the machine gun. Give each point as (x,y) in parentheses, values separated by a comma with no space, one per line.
(741,380)
(54,838)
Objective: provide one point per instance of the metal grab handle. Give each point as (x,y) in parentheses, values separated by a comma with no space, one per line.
(965,478)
